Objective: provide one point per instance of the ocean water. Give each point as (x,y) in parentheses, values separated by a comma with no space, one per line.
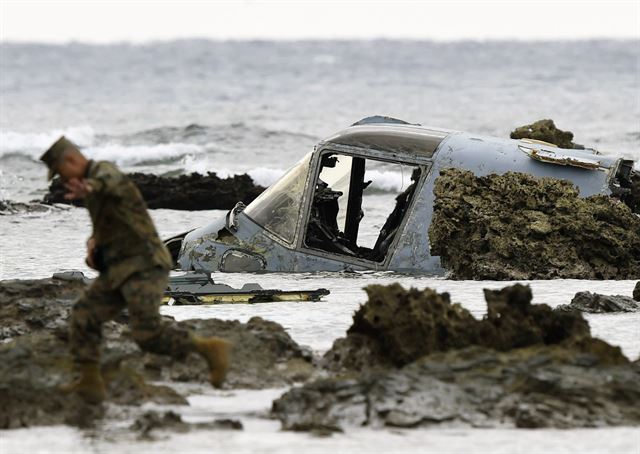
(257,107)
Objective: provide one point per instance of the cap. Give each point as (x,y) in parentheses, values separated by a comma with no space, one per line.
(53,155)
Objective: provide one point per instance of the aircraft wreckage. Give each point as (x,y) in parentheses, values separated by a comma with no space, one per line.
(310,220)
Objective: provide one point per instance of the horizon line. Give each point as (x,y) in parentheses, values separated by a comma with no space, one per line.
(492,40)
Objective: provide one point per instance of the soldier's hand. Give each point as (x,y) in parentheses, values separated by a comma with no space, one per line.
(76,189)
(91,245)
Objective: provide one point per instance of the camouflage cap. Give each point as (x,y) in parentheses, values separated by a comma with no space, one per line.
(53,155)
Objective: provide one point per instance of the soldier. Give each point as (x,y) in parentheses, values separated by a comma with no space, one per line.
(134,267)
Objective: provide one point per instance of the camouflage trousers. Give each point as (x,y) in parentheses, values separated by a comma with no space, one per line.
(141,294)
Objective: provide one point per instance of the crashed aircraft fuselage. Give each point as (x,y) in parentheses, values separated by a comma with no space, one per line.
(310,219)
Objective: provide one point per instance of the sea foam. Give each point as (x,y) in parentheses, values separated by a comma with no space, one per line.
(32,145)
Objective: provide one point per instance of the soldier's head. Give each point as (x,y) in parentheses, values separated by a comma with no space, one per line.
(65,159)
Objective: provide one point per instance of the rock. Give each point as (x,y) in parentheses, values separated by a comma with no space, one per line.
(636,291)
(185,192)
(34,357)
(540,386)
(263,356)
(34,365)
(522,365)
(513,322)
(515,226)
(546,131)
(402,325)
(596,303)
(397,326)
(27,306)
(408,323)
(150,421)
(8,207)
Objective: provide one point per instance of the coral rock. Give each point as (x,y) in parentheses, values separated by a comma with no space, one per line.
(515,226)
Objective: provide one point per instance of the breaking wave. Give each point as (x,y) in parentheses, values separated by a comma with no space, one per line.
(132,155)
(263,176)
(165,144)
(388,181)
(32,145)
(382,181)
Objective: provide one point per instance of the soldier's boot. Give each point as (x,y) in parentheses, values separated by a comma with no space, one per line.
(217,353)
(89,386)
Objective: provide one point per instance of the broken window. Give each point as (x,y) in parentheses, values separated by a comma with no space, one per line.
(277,209)
(347,215)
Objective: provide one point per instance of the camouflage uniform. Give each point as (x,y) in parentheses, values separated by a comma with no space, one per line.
(134,267)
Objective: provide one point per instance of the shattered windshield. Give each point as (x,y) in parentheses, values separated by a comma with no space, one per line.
(278,208)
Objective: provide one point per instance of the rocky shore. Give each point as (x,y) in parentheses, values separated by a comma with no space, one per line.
(522,365)
(34,358)
(184,192)
(515,226)
(411,358)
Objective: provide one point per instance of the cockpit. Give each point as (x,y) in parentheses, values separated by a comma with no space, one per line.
(341,213)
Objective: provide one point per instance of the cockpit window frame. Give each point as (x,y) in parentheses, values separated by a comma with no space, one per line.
(276,236)
(424,163)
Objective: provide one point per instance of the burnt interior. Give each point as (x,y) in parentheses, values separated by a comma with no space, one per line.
(323,229)
(174,244)
(626,185)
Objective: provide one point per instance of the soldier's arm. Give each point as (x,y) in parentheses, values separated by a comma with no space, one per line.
(105,179)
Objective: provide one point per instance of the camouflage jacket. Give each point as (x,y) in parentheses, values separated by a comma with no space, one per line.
(125,236)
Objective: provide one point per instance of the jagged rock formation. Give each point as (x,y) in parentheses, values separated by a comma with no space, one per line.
(546,131)
(556,386)
(595,303)
(185,192)
(522,365)
(411,358)
(515,226)
(398,326)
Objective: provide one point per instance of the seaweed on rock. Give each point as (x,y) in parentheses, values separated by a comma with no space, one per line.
(515,226)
